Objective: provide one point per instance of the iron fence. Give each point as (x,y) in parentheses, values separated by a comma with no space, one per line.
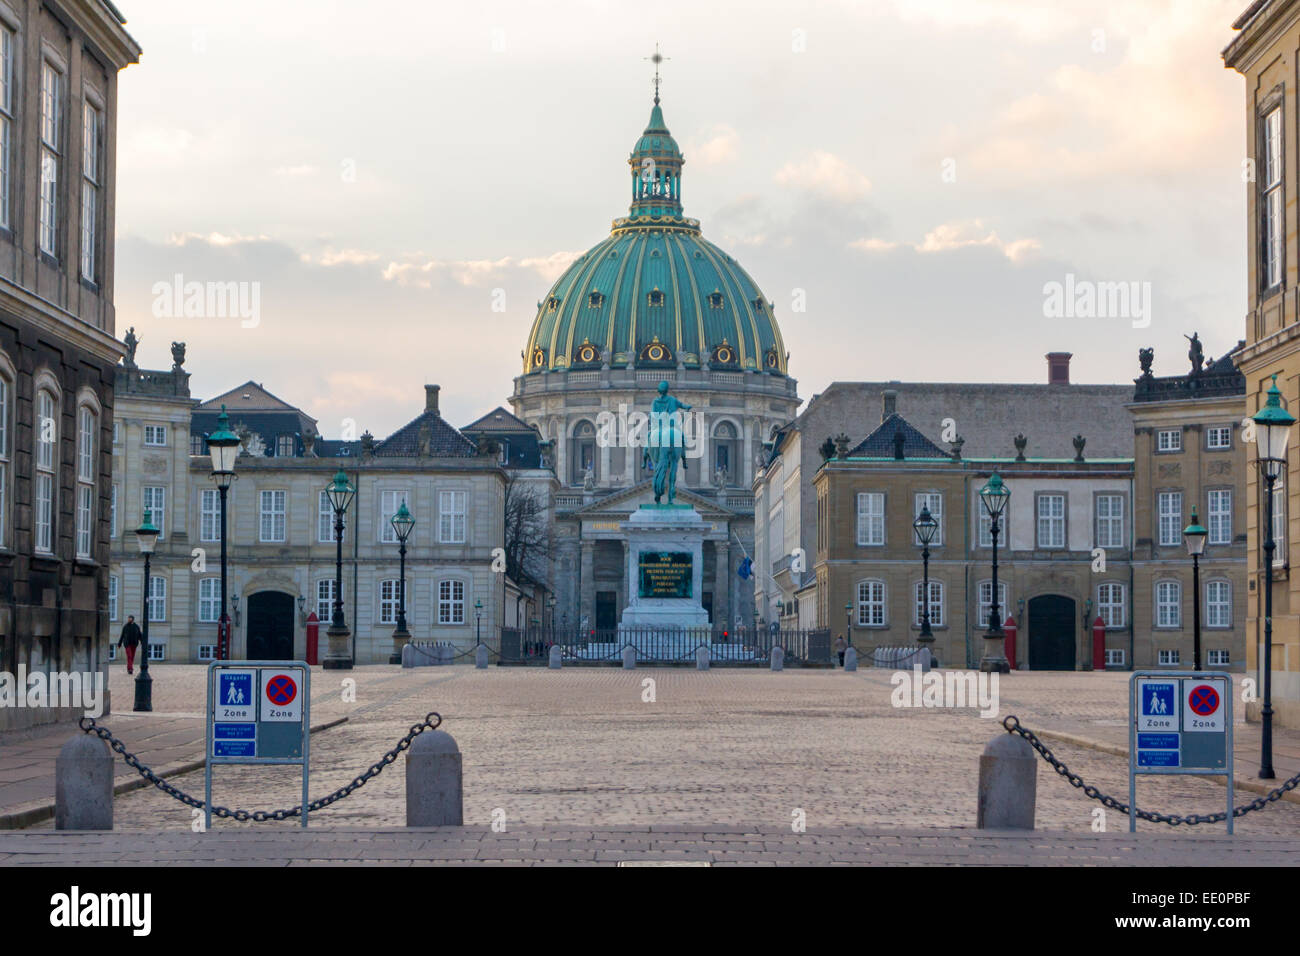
(746,646)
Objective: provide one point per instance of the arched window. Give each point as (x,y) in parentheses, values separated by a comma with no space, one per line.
(87,474)
(6,444)
(582,452)
(726,455)
(46,490)
(871,603)
(1218,603)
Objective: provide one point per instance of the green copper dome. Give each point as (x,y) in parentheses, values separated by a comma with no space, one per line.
(655,293)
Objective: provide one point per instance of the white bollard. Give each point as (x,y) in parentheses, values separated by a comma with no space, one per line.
(850,659)
(555,657)
(83,784)
(702,657)
(434,792)
(1007,784)
(629,657)
(481,657)
(778,659)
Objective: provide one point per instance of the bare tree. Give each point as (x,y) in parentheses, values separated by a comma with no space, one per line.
(528,538)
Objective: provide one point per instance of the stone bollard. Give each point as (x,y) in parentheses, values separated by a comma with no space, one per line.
(778,659)
(408,655)
(481,657)
(446,654)
(1007,784)
(850,659)
(433,781)
(83,785)
(702,658)
(629,657)
(555,657)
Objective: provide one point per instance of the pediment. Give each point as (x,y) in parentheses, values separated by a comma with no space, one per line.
(622,503)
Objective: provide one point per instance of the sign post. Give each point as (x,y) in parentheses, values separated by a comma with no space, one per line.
(259,712)
(1180,723)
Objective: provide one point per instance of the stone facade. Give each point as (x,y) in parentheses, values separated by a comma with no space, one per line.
(57,345)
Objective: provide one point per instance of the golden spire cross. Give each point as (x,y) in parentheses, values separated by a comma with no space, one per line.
(656,59)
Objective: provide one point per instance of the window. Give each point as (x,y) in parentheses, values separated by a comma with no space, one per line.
(117,433)
(157,651)
(1168,657)
(155,435)
(284,446)
(89,187)
(871,603)
(1051,521)
(198,446)
(210,514)
(1110,603)
(325,520)
(1270,208)
(272,512)
(936,603)
(985,524)
(934,501)
(154,500)
(157,599)
(726,451)
(389,502)
(1219,515)
(207,652)
(47,440)
(112,513)
(8,43)
(51,120)
(871,519)
(87,422)
(210,599)
(1169,440)
(1218,658)
(1114,657)
(986,603)
(325,600)
(1169,611)
(388,591)
(583,452)
(1110,521)
(451,602)
(1218,437)
(451,517)
(6,401)
(1279,521)
(112,597)
(1218,604)
(1169,511)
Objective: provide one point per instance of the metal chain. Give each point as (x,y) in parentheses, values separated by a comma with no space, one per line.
(430,722)
(906,657)
(1012,725)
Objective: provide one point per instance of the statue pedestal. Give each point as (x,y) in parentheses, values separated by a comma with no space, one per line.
(665,551)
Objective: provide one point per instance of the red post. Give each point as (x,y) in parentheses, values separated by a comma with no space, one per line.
(1098,644)
(313,637)
(1009,629)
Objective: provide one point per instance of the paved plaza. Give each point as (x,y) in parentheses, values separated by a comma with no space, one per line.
(581,748)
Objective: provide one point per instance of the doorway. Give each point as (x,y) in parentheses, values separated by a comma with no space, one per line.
(270,626)
(1051,633)
(606,610)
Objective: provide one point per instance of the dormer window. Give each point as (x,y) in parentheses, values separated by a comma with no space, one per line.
(596,300)
(655,298)
(715,300)
(758,305)
(552,303)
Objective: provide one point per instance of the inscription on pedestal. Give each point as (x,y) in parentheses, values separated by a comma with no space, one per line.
(665,574)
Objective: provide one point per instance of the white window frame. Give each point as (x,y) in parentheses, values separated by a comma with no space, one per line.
(112,512)
(1050,522)
(984,524)
(871,519)
(1279,521)
(453,522)
(1169,605)
(157,600)
(327,601)
(1218,607)
(872,603)
(1218,657)
(87,426)
(325,520)
(389,590)
(1218,516)
(937,618)
(1112,603)
(272,516)
(389,501)
(1109,520)
(153,498)
(983,592)
(1221,430)
(114,590)
(46,503)
(8,49)
(158,432)
(1114,657)
(210,514)
(451,608)
(1168,657)
(209,611)
(935,500)
(1169,440)
(1169,519)
(50,133)
(1271,212)
(91,124)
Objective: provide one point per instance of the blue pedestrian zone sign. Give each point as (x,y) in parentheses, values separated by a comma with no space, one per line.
(1181,723)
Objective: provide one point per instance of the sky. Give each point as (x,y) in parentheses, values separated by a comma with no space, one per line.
(916,185)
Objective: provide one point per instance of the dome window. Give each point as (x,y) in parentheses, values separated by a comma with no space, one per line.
(655,298)
(587,354)
(772,360)
(656,351)
(596,300)
(656,254)
(758,305)
(539,357)
(724,354)
(715,300)
(613,253)
(552,304)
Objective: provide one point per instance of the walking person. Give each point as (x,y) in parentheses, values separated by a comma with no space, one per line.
(841,645)
(130,640)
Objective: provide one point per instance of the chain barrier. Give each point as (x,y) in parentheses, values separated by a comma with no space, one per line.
(906,657)
(431,722)
(1012,725)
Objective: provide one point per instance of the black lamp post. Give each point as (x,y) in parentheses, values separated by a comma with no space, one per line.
(848,622)
(146,537)
(478,621)
(223,446)
(1272,431)
(994,496)
(1194,537)
(926,528)
(402,523)
(340,492)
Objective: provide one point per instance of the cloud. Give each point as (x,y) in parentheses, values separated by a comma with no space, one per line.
(424,272)
(947,237)
(721,146)
(213,239)
(825,174)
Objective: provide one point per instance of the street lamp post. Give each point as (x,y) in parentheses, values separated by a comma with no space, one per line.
(146,537)
(223,446)
(1194,537)
(478,620)
(994,496)
(402,523)
(339,657)
(1272,431)
(848,622)
(926,528)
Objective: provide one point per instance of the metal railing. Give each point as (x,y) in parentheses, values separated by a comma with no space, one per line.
(746,645)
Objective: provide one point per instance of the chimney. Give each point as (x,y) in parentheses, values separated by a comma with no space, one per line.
(889,404)
(1058,368)
(431,398)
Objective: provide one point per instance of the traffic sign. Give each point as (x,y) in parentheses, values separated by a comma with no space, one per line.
(235,695)
(280,700)
(1204,713)
(1158,701)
